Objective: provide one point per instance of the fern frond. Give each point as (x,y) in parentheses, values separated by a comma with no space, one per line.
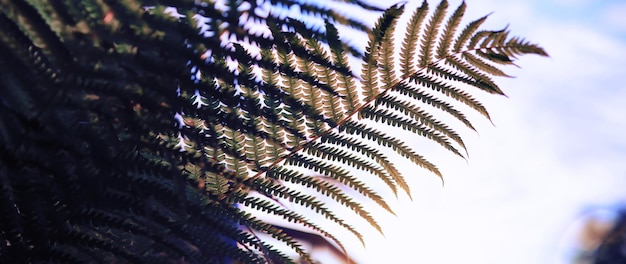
(428,99)
(430,34)
(269,189)
(371,153)
(421,116)
(450,91)
(407,52)
(252,223)
(483,66)
(330,102)
(334,154)
(290,216)
(346,87)
(317,10)
(384,116)
(341,176)
(294,116)
(273,108)
(499,41)
(370,66)
(483,81)
(467,33)
(386,59)
(291,43)
(393,143)
(479,36)
(233,147)
(33,22)
(448,32)
(132,130)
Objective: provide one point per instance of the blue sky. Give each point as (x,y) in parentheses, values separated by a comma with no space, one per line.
(558,147)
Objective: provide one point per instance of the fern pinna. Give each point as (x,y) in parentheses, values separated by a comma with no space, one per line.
(158,131)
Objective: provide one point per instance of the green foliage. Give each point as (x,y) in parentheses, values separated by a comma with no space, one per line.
(159,131)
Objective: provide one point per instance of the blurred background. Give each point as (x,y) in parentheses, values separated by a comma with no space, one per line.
(542,184)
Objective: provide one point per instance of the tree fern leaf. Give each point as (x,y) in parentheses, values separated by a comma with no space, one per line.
(329,153)
(269,189)
(273,110)
(450,91)
(524,47)
(333,153)
(296,109)
(482,81)
(234,141)
(217,184)
(393,143)
(313,96)
(467,33)
(434,102)
(370,77)
(300,50)
(483,66)
(430,34)
(450,75)
(392,119)
(421,116)
(255,151)
(214,183)
(321,60)
(505,53)
(371,153)
(278,234)
(495,57)
(496,38)
(331,103)
(25,51)
(316,10)
(342,176)
(274,151)
(160,123)
(385,59)
(291,85)
(296,137)
(219,215)
(387,19)
(293,115)
(348,89)
(333,37)
(268,75)
(309,66)
(370,68)
(409,44)
(448,32)
(513,47)
(34,24)
(477,37)
(290,216)
(290,44)
(345,84)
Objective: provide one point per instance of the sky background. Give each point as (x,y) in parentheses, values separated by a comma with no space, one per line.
(556,151)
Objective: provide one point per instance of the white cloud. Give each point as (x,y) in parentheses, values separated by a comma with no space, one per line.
(558,146)
(614,17)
